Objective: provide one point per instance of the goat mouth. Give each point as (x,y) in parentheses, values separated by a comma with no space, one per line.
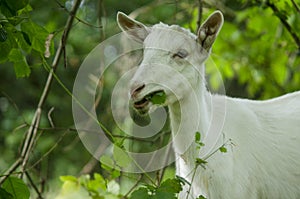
(156,97)
(141,104)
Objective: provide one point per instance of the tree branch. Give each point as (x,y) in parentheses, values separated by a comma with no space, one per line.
(33,185)
(32,131)
(200,11)
(12,168)
(284,22)
(296,6)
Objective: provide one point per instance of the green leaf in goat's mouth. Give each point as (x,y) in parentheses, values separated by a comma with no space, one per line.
(158,97)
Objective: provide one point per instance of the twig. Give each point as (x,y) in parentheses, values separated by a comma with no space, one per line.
(20,127)
(65,57)
(33,185)
(200,11)
(77,18)
(50,118)
(284,22)
(190,188)
(31,134)
(12,168)
(133,187)
(162,171)
(32,131)
(88,167)
(49,151)
(30,138)
(296,6)
(101,16)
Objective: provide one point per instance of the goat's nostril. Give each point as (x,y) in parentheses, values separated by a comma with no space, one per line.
(136,90)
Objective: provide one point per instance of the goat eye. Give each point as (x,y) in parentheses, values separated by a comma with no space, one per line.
(181,54)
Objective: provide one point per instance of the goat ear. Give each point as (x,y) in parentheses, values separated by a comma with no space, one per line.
(209,30)
(132,28)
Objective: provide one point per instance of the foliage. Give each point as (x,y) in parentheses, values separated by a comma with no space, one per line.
(14,188)
(157,98)
(20,35)
(168,189)
(85,187)
(257,53)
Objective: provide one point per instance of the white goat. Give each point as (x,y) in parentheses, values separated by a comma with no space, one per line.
(263,159)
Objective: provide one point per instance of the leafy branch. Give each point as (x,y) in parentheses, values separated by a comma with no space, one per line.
(32,131)
(283,20)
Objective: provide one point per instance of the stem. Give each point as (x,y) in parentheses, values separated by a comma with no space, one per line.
(133,187)
(194,173)
(162,171)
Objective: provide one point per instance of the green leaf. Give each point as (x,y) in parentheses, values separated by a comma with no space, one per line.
(121,157)
(98,183)
(5,195)
(22,41)
(223,149)
(164,195)
(171,186)
(157,97)
(16,5)
(106,160)
(26,38)
(9,42)
(197,136)
(3,34)
(25,10)
(108,164)
(201,197)
(200,161)
(183,180)
(20,64)
(71,189)
(197,140)
(37,35)
(68,178)
(141,193)
(16,187)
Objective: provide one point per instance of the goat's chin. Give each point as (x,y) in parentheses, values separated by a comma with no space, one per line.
(140,116)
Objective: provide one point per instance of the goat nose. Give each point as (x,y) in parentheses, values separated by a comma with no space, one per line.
(136,89)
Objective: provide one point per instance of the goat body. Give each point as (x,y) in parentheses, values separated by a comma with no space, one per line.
(263,159)
(262,137)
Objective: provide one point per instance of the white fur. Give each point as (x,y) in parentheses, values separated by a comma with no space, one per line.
(263,157)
